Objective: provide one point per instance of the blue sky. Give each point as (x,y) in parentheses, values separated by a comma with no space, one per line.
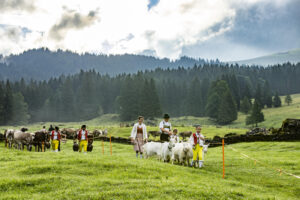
(224,29)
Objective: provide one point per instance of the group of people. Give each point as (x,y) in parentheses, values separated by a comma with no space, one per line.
(139,137)
(55,136)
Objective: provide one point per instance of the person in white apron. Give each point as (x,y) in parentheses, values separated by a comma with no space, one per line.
(139,136)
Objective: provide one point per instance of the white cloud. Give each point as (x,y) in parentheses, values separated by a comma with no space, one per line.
(122,26)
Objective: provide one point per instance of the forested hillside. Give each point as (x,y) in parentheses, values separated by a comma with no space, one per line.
(42,64)
(207,90)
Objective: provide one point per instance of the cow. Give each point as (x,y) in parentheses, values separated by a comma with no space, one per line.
(9,137)
(154,134)
(69,132)
(185,134)
(23,138)
(97,133)
(41,140)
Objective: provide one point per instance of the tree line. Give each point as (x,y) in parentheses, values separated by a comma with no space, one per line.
(214,90)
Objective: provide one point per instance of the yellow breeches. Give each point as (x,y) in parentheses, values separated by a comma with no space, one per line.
(83,143)
(55,144)
(197,152)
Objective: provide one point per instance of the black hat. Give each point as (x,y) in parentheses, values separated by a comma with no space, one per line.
(56,128)
(166,116)
(83,126)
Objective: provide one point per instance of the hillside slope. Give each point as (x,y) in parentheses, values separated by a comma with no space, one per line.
(292,56)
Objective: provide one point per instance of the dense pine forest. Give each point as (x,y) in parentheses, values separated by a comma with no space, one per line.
(214,90)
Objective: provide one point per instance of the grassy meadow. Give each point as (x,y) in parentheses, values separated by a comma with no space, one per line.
(70,175)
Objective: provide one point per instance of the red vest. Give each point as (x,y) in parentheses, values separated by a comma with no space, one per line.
(195,138)
(58,135)
(86,135)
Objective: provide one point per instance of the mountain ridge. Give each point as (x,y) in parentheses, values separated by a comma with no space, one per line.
(292,56)
(41,64)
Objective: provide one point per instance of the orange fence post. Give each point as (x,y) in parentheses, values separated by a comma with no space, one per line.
(223,158)
(110,145)
(102,147)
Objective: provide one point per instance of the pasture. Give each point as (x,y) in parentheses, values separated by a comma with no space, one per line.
(70,175)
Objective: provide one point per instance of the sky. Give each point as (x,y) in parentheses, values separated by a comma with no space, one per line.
(229,30)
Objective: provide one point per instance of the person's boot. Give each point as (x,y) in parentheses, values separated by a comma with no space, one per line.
(141,155)
(192,163)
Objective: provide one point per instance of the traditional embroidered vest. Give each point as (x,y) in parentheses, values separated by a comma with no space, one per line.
(139,130)
(80,133)
(196,139)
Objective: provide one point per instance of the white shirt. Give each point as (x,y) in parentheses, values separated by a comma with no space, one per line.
(163,123)
(83,135)
(55,135)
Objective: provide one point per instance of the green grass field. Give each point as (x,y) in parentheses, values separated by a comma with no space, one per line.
(70,175)
(275,116)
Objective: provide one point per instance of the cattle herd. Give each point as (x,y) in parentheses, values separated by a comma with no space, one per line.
(41,139)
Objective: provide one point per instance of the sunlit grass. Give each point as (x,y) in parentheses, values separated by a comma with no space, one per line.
(70,175)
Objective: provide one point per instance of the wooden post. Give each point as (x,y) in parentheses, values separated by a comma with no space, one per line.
(223,158)
(102,147)
(110,145)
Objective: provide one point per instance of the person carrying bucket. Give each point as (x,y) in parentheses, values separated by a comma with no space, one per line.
(83,139)
(55,138)
(197,140)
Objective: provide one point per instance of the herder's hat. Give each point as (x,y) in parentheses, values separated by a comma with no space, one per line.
(166,116)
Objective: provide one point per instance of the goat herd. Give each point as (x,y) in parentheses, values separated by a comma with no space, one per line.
(172,151)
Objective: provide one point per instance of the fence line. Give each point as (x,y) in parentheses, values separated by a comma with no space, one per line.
(265,165)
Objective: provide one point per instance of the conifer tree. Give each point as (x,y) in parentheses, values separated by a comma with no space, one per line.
(154,101)
(267,95)
(221,103)
(245,105)
(276,101)
(227,112)
(1,104)
(258,95)
(19,110)
(288,99)
(194,101)
(256,115)
(129,106)
(8,104)
(67,101)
